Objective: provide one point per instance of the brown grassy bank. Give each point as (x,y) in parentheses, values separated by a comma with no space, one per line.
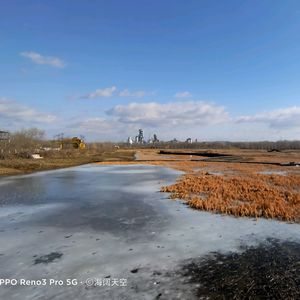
(14,166)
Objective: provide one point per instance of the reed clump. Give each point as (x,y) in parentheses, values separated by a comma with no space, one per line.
(256,195)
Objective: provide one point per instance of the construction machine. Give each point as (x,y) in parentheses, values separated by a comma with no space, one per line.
(64,143)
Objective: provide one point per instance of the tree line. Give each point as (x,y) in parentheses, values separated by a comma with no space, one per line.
(24,142)
(261,145)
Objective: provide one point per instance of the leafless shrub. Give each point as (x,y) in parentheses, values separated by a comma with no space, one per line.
(26,141)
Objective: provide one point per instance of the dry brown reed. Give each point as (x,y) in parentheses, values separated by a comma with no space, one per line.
(241,191)
(256,195)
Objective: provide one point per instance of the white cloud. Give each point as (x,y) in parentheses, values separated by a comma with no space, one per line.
(108,92)
(23,71)
(190,119)
(97,125)
(44,60)
(138,94)
(173,114)
(73,97)
(163,119)
(10,109)
(126,93)
(100,93)
(107,129)
(183,95)
(101,129)
(280,118)
(6,100)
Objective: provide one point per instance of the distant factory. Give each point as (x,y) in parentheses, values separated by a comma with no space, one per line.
(140,139)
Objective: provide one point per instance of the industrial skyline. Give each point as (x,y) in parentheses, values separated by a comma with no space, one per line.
(139,139)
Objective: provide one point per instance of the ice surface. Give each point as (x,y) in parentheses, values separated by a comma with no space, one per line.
(272,172)
(111,221)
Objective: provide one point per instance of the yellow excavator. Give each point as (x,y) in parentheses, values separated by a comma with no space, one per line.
(75,142)
(78,143)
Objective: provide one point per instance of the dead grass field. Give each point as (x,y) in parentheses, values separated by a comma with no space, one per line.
(254,195)
(242,190)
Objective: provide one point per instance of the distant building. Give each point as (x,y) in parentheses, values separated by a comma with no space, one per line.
(174,141)
(189,140)
(150,141)
(140,138)
(129,140)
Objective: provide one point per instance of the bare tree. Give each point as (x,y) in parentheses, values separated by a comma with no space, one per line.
(26,141)
(4,144)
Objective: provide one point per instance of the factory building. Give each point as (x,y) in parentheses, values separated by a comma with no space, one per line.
(174,141)
(140,138)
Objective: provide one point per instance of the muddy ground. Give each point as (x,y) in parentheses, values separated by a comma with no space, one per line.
(267,271)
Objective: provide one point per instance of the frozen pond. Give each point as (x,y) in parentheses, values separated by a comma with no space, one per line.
(109,223)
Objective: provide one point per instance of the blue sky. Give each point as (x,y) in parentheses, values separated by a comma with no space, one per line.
(209,70)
